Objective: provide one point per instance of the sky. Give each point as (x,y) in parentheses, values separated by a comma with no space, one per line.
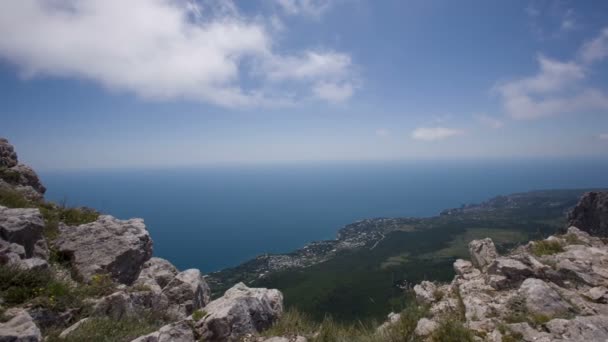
(149,83)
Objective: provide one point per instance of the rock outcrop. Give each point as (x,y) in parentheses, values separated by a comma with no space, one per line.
(19,327)
(110,246)
(591,214)
(187,292)
(18,177)
(22,227)
(242,310)
(526,296)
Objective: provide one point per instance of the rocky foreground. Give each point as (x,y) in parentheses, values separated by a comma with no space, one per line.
(65,272)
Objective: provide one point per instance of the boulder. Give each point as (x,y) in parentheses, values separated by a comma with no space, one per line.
(175,332)
(156,274)
(242,310)
(33,264)
(72,328)
(187,292)
(510,272)
(425,327)
(24,227)
(19,328)
(579,329)
(107,246)
(591,214)
(541,299)
(483,252)
(465,269)
(8,156)
(122,304)
(25,176)
(425,292)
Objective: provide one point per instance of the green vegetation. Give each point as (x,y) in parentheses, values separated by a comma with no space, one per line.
(10,176)
(294,322)
(544,247)
(12,199)
(452,330)
(105,329)
(364,284)
(198,315)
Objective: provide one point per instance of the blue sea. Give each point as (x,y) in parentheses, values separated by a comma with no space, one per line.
(219,216)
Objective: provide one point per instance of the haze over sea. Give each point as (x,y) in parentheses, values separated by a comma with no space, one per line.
(216,217)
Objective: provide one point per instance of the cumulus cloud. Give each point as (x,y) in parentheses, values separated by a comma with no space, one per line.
(558,87)
(312,8)
(163,49)
(435,133)
(334,92)
(490,121)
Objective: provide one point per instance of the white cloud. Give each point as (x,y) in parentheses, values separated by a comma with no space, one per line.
(596,49)
(334,92)
(490,121)
(435,133)
(312,8)
(162,49)
(557,88)
(603,136)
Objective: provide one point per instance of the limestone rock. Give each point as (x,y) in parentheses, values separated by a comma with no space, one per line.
(240,311)
(542,299)
(19,328)
(425,292)
(175,332)
(107,246)
(27,177)
(579,329)
(591,214)
(156,274)
(8,156)
(425,327)
(187,292)
(33,264)
(483,252)
(513,271)
(72,328)
(24,227)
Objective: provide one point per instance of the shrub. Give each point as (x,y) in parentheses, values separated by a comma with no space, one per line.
(546,247)
(293,322)
(13,199)
(452,330)
(10,176)
(198,315)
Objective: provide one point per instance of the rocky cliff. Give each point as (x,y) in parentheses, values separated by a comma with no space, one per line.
(71,274)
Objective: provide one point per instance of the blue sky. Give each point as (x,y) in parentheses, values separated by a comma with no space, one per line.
(104,84)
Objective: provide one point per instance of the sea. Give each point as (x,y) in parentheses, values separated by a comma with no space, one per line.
(213,217)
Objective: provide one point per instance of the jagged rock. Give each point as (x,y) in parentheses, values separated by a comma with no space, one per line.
(8,156)
(579,329)
(107,246)
(425,292)
(24,227)
(542,299)
(156,274)
(392,318)
(528,333)
(483,252)
(174,332)
(122,304)
(510,272)
(578,235)
(19,328)
(597,294)
(240,311)
(27,177)
(33,264)
(425,327)
(591,214)
(187,292)
(465,269)
(11,247)
(73,327)
(46,317)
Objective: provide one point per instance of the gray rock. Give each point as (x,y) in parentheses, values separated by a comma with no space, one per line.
(26,176)
(242,310)
(156,274)
(425,327)
(579,329)
(513,272)
(72,328)
(187,292)
(122,304)
(542,299)
(425,292)
(107,246)
(597,294)
(483,252)
(8,156)
(174,332)
(24,227)
(591,214)
(19,328)
(11,247)
(33,264)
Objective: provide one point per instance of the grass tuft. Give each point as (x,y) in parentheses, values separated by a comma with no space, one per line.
(546,247)
(104,329)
